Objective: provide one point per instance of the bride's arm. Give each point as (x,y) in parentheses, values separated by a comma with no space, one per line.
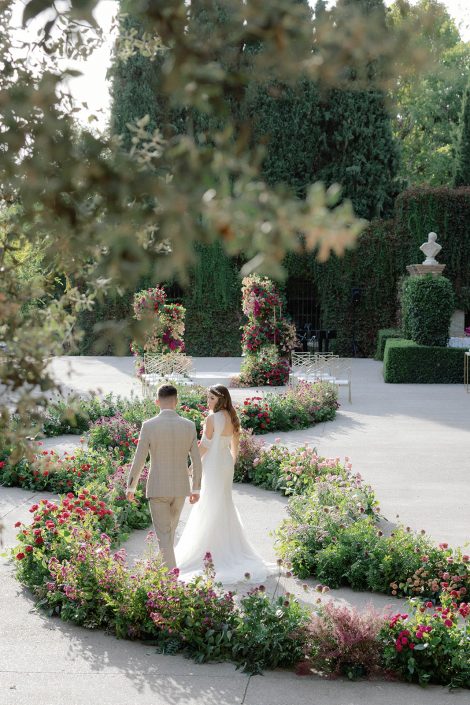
(235,445)
(207,434)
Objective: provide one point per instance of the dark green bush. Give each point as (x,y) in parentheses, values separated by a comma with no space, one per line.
(427,304)
(405,362)
(382,336)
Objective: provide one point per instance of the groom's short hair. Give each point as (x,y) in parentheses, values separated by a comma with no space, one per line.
(166,391)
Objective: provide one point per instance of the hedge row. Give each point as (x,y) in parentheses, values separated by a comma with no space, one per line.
(383,335)
(405,362)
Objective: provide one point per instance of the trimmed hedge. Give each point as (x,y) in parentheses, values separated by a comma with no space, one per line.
(406,362)
(383,335)
(427,304)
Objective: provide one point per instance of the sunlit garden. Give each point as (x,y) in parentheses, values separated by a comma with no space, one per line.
(271,199)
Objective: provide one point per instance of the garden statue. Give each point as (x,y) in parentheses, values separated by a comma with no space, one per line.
(430,265)
(431,248)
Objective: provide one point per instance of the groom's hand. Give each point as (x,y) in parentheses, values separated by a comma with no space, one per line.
(130,496)
(193,498)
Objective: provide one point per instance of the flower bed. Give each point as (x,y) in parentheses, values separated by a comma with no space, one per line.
(117,421)
(66,558)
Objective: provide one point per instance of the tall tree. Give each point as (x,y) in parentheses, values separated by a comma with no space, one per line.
(462,163)
(284,121)
(427,106)
(358,150)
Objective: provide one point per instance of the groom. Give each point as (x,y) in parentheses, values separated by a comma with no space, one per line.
(170,439)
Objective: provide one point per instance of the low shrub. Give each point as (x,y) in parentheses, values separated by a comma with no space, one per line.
(255,414)
(115,432)
(344,642)
(270,633)
(301,407)
(249,449)
(429,645)
(382,336)
(405,362)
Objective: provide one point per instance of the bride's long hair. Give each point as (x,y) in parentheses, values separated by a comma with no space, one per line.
(224,402)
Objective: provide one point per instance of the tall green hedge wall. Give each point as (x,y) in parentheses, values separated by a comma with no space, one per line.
(375,266)
(212,302)
(445,211)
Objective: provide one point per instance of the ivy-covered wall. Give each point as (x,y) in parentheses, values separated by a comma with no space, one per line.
(213,305)
(374,267)
(446,212)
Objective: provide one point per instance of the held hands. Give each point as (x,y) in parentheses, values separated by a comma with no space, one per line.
(193,498)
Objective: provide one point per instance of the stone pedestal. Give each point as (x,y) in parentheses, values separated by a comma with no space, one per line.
(422,269)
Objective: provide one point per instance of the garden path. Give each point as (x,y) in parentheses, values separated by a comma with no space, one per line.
(410,441)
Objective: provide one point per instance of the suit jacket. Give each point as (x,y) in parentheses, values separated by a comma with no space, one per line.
(170,439)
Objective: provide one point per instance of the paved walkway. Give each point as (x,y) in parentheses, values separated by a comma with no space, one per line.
(409,441)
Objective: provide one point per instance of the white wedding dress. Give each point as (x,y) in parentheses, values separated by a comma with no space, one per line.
(214,525)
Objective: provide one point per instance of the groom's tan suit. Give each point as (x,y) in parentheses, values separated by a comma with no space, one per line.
(170,439)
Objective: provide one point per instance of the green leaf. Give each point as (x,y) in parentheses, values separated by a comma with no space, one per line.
(34,8)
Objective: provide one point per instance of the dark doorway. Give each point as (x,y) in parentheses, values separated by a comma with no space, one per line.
(302,304)
(174,293)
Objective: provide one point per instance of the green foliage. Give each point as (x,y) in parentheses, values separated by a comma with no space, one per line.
(462,161)
(360,152)
(270,632)
(340,136)
(137,87)
(429,645)
(428,105)
(427,304)
(212,303)
(406,362)
(374,266)
(382,336)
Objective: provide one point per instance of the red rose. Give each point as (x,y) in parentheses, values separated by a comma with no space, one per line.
(39,541)
(28,549)
(18,523)
(20,556)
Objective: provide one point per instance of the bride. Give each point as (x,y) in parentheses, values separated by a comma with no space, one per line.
(214,525)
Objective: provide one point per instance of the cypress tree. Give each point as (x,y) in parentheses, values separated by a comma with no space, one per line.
(284,119)
(358,149)
(462,161)
(212,299)
(136,89)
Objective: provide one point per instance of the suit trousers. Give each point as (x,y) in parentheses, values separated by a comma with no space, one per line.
(166,513)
